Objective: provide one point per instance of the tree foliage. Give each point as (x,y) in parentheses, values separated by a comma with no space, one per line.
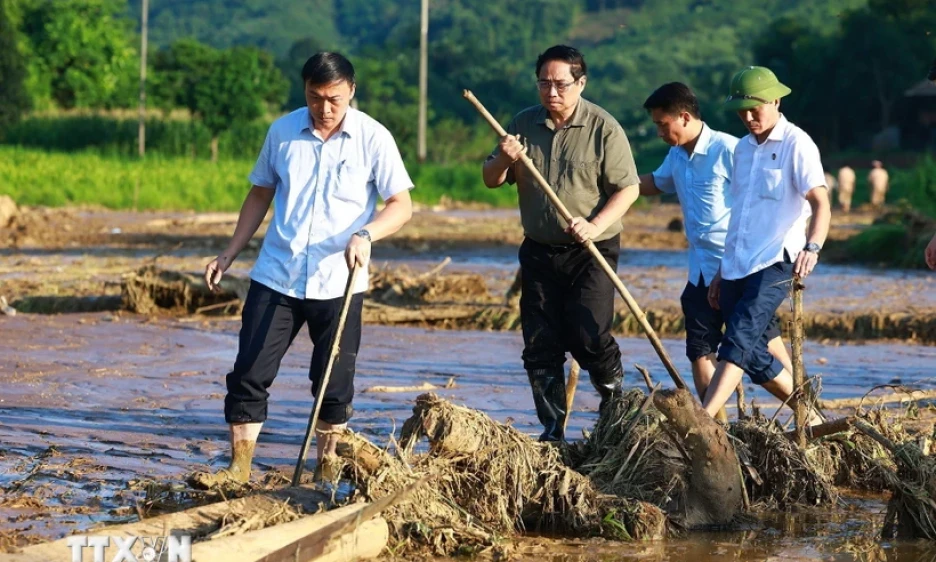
(80,53)
(847,61)
(13,98)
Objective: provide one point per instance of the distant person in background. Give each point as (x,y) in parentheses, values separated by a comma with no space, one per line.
(846,187)
(831,183)
(878,181)
(930,254)
(698,170)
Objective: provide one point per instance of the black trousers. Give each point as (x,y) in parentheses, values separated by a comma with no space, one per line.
(270,323)
(567,304)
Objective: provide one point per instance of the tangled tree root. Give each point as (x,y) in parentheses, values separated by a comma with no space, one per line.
(714,496)
(780,474)
(911,512)
(861,462)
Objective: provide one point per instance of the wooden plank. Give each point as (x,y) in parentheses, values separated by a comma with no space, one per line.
(365,541)
(191,521)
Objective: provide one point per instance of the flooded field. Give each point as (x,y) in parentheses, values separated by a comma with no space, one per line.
(92,402)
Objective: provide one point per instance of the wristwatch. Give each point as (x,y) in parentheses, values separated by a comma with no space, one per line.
(363,233)
(813,247)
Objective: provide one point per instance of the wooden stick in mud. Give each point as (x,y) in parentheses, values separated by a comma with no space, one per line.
(824,429)
(332,357)
(799,370)
(590,246)
(574,371)
(742,411)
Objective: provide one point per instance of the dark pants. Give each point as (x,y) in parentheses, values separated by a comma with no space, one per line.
(567,304)
(271,321)
(749,305)
(704,323)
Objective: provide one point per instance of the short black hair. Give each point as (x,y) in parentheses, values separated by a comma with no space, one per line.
(325,68)
(673,99)
(567,54)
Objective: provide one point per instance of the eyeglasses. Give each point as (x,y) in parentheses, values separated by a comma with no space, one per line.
(561,87)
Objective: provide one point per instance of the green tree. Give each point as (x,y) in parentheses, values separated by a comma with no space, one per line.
(80,53)
(387,91)
(13,98)
(177,70)
(272,25)
(239,87)
(291,67)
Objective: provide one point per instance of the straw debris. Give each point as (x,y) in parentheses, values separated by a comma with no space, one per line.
(628,455)
(490,481)
(780,474)
(151,290)
(401,286)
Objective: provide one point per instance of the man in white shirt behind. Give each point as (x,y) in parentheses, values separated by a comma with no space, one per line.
(698,169)
(780,218)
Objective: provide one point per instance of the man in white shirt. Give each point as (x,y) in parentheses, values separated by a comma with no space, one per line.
(780,218)
(324,166)
(698,170)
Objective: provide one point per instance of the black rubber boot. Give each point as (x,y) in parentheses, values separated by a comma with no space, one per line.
(608,384)
(549,397)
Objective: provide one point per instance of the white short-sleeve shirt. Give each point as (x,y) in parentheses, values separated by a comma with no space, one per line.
(325,192)
(701,182)
(769,188)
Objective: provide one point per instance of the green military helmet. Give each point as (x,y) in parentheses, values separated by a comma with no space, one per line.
(754,86)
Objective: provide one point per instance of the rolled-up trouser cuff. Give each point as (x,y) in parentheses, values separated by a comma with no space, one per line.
(696,352)
(732,354)
(336,414)
(244,412)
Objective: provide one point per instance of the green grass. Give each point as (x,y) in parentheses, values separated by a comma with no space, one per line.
(35,177)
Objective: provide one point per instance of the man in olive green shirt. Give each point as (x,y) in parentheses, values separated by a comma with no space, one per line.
(567,301)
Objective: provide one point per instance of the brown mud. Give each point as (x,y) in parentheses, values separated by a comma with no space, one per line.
(92,402)
(100,399)
(82,260)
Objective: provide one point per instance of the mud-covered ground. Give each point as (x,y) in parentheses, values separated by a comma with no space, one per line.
(93,401)
(54,260)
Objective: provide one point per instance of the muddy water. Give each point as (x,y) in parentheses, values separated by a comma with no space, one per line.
(660,275)
(89,402)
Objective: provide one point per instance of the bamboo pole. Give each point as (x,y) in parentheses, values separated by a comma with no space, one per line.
(590,246)
(332,358)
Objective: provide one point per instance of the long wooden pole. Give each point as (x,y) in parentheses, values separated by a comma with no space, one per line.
(799,369)
(332,358)
(590,246)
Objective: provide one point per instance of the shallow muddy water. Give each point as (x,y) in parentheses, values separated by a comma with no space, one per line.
(660,275)
(91,401)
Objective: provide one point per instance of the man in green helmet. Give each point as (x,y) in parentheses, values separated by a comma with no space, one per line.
(779,220)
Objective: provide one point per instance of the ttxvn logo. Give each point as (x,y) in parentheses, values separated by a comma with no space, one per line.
(131,549)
